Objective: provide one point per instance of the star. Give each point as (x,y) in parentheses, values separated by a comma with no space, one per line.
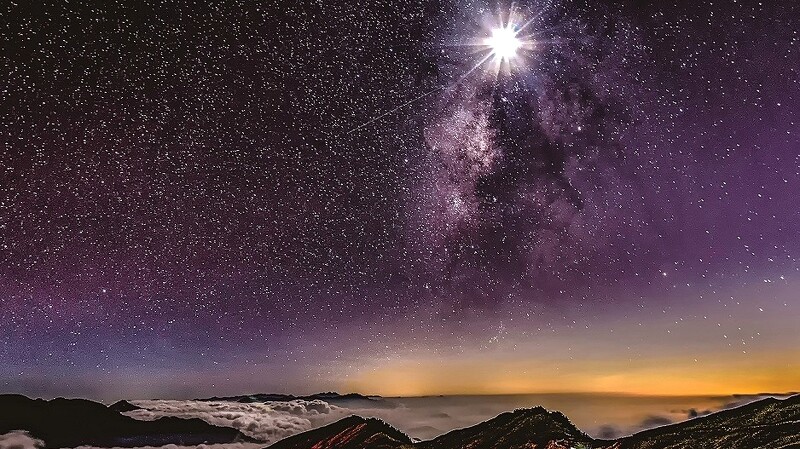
(504,43)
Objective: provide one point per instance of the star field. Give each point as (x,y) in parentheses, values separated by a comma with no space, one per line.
(209,196)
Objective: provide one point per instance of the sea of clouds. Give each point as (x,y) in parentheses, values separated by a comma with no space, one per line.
(265,421)
(23,440)
(19,440)
(422,418)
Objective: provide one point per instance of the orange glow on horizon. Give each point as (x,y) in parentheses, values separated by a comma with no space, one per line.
(654,377)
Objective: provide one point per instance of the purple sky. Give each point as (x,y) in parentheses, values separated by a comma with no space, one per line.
(190,204)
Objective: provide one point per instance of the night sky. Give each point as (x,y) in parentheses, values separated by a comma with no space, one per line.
(201,199)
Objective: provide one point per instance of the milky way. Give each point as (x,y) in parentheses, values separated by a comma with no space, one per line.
(202,195)
(526,164)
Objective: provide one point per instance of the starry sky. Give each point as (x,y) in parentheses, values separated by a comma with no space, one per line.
(202,198)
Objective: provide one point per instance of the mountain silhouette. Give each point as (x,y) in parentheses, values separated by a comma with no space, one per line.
(76,422)
(345,400)
(767,423)
(523,428)
(123,406)
(349,433)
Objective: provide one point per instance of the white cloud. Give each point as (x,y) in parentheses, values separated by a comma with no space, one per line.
(201,446)
(267,421)
(422,418)
(19,440)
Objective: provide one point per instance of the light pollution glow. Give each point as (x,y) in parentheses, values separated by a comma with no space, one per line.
(651,377)
(735,347)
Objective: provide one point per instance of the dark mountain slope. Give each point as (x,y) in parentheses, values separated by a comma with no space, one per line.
(353,432)
(123,406)
(524,428)
(75,422)
(768,423)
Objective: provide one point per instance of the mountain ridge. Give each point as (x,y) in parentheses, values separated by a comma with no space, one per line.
(348,433)
(355,399)
(520,428)
(259,397)
(769,423)
(343,400)
(64,422)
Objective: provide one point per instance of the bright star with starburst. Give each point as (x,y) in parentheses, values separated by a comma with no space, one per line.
(504,43)
(507,44)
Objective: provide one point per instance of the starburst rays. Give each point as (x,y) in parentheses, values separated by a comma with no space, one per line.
(504,42)
(507,42)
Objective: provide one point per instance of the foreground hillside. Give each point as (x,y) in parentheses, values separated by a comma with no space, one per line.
(520,429)
(79,422)
(768,423)
(349,433)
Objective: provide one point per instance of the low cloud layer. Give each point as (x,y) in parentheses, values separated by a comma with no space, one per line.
(268,421)
(425,418)
(20,440)
(200,446)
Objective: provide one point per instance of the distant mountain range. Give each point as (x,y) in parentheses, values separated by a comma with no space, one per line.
(76,422)
(765,424)
(350,399)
